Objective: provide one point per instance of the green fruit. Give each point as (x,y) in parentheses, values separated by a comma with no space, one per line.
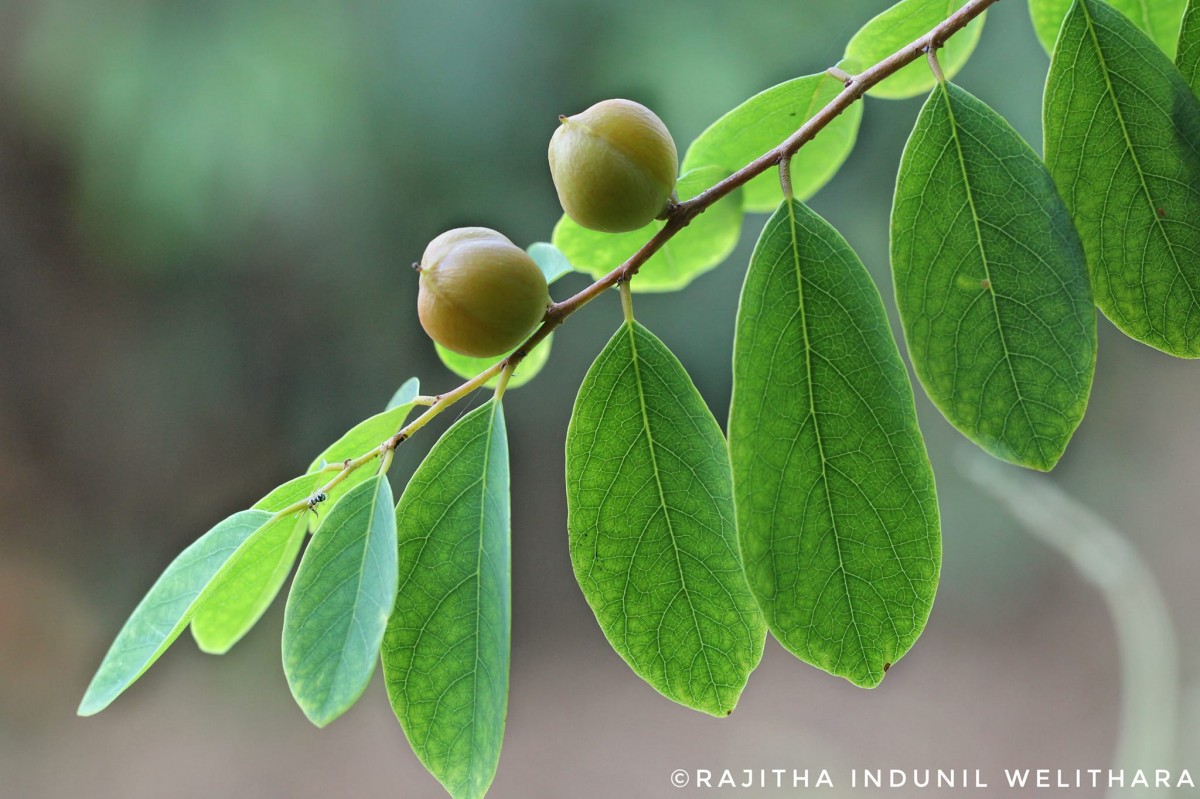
(614,166)
(480,294)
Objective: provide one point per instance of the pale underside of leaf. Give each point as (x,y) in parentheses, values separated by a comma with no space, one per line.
(1123,144)
(446,652)
(167,608)
(651,525)
(837,512)
(339,603)
(991,283)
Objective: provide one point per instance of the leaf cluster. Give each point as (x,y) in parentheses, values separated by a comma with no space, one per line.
(814,517)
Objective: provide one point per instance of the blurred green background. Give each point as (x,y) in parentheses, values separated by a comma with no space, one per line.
(207,213)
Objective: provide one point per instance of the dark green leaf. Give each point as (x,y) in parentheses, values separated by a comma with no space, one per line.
(651,524)
(765,120)
(446,654)
(168,607)
(552,262)
(1157,18)
(900,25)
(1123,144)
(837,512)
(699,247)
(1188,57)
(238,597)
(340,601)
(991,283)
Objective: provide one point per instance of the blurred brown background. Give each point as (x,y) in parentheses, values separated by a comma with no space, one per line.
(207,212)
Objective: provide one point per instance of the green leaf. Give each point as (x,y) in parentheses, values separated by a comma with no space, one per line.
(900,25)
(765,120)
(237,599)
(696,249)
(340,600)
(1123,144)
(651,524)
(1188,57)
(291,492)
(446,654)
(163,613)
(991,283)
(404,395)
(1157,18)
(360,439)
(837,512)
(467,367)
(551,261)
(364,436)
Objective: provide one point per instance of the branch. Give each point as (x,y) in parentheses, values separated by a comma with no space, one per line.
(679,215)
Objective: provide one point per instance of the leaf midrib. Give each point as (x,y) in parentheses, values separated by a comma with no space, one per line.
(812,412)
(987,273)
(483,483)
(358,595)
(662,499)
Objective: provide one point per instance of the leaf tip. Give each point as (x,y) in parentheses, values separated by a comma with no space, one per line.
(89,706)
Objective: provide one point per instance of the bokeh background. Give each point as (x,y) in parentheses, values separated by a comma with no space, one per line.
(207,212)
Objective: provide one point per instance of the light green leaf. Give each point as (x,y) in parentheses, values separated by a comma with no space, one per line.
(1123,144)
(1157,18)
(359,440)
(651,524)
(238,598)
(551,261)
(340,600)
(900,25)
(291,492)
(991,283)
(168,607)
(696,249)
(467,367)
(408,391)
(837,512)
(1188,57)
(364,436)
(765,120)
(446,654)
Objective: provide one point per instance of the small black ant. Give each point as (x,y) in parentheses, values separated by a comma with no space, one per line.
(314,500)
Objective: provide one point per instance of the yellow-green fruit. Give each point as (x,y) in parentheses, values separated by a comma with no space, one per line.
(480,294)
(614,166)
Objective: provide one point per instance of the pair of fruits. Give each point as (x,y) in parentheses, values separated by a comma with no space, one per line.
(614,168)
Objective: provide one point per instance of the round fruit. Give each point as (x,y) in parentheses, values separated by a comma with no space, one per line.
(614,166)
(480,294)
